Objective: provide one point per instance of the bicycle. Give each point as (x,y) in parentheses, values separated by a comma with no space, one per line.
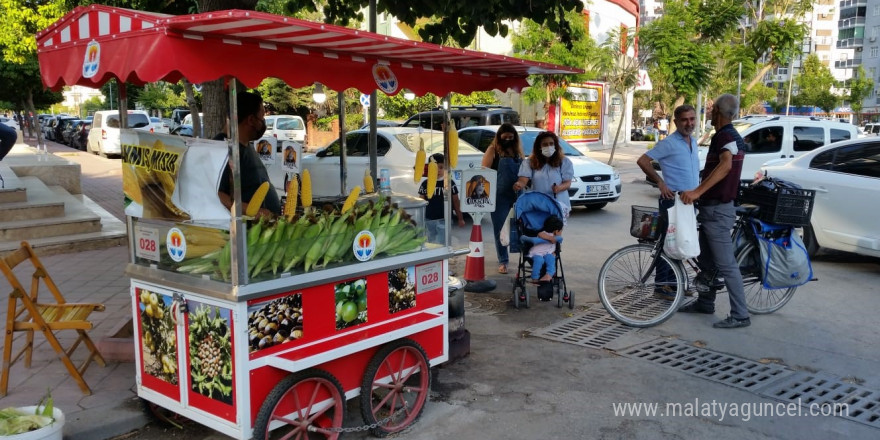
(630,293)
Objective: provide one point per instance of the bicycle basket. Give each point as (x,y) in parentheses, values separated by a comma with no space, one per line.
(780,204)
(645,223)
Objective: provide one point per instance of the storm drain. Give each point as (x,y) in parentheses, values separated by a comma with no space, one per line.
(593,329)
(730,370)
(824,394)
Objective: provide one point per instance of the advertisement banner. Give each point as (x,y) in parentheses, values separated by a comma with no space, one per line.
(580,114)
(163,177)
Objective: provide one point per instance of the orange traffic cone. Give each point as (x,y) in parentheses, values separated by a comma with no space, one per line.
(474,268)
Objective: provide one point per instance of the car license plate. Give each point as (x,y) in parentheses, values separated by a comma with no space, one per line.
(597,188)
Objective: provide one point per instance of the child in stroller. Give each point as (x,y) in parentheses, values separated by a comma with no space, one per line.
(539,225)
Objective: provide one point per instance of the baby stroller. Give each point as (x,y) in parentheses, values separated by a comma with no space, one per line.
(531,210)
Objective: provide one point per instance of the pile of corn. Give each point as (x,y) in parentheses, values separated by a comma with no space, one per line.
(315,238)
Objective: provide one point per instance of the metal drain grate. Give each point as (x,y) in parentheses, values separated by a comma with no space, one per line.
(820,391)
(593,329)
(718,367)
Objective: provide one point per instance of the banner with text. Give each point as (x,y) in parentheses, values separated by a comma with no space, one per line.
(580,113)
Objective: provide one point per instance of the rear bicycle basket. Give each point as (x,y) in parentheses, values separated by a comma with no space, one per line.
(646,224)
(780,205)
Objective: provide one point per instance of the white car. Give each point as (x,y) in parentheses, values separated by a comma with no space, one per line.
(104,134)
(10,122)
(846,177)
(286,128)
(157,125)
(595,183)
(396,147)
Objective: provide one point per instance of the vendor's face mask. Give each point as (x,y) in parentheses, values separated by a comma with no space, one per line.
(262,130)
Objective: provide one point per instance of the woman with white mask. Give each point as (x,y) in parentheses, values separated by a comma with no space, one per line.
(549,171)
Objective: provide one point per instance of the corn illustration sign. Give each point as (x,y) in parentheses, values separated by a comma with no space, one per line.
(150,171)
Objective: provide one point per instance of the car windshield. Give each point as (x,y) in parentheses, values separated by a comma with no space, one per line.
(135,120)
(289,124)
(739,125)
(528,141)
(433,142)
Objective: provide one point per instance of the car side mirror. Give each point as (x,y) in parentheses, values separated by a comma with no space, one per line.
(321,153)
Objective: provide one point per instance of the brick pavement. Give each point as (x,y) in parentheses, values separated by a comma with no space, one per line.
(90,276)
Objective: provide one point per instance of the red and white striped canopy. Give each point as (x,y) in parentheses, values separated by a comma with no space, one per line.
(94,43)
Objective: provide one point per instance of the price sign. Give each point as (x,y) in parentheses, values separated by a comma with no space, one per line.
(146,242)
(429,277)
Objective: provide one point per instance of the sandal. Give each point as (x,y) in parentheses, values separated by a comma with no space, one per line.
(502,269)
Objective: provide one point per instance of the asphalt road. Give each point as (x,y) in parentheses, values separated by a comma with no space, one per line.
(514,385)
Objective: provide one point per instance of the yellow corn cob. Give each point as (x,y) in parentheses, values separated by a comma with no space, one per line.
(290,205)
(432,178)
(419,167)
(368,182)
(305,193)
(352,197)
(257,200)
(453,147)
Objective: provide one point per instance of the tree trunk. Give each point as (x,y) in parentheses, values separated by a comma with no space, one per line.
(193,107)
(619,127)
(30,109)
(760,75)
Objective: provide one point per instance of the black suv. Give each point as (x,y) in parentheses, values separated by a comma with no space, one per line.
(465,116)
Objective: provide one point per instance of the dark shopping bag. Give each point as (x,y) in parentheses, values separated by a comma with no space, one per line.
(515,245)
(784,259)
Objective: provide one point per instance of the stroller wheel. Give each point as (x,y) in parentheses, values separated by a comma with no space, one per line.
(520,296)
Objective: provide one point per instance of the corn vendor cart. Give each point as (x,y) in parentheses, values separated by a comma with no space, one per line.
(258,328)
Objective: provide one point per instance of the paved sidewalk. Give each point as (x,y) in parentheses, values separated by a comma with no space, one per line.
(90,276)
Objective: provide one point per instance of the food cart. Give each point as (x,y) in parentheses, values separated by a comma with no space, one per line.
(250,327)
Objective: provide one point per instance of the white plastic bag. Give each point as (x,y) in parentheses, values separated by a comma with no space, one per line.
(682,239)
(504,235)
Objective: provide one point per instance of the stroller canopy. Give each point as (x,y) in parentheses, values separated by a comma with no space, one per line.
(533,208)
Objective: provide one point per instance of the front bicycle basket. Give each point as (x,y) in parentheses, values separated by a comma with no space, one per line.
(645,223)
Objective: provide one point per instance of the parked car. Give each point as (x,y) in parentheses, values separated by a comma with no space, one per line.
(80,138)
(846,177)
(872,129)
(62,125)
(465,116)
(157,125)
(188,120)
(783,137)
(183,130)
(396,147)
(104,135)
(381,123)
(637,134)
(70,129)
(595,184)
(48,128)
(286,128)
(10,122)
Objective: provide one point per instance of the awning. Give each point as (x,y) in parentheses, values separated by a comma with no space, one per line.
(95,43)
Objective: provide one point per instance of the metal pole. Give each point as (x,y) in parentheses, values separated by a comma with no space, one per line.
(790,80)
(236,229)
(374,108)
(343,148)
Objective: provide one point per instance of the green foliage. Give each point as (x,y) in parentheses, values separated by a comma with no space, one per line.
(779,38)
(284,99)
(538,42)
(458,20)
(814,84)
(160,96)
(92,105)
(827,101)
(20,79)
(860,87)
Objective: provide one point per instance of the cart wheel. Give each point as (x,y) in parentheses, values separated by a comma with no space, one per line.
(519,291)
(305,405)
(396,386)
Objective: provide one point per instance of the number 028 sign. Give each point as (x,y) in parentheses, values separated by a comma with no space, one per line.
(429,277)
(146,242)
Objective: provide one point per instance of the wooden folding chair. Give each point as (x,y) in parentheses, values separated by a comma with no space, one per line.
(32,315)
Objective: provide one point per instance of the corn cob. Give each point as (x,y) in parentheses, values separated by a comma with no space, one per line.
(290,205)
(453,147)
(271,247)
(419,167)
(352,197)
(432,178)
(257,200)
(201,236)
(306,190)
(368,182)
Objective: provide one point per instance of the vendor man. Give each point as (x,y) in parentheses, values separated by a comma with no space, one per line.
(251,126)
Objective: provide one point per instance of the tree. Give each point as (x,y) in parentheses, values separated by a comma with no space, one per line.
(457,19)
(814,83)
(777,34)
(622,73)
(537,42)
(860,87)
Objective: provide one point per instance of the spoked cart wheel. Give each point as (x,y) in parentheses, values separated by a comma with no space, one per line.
(395,387)
(304,405)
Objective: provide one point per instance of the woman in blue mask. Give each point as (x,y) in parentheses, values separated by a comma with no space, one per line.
(504,155)
(549,171)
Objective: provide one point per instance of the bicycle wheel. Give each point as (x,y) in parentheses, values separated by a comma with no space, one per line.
(631,300)
(759,299)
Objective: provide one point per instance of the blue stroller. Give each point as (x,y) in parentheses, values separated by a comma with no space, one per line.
(530,211)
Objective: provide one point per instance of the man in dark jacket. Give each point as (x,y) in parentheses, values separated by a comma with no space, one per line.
(714,197)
